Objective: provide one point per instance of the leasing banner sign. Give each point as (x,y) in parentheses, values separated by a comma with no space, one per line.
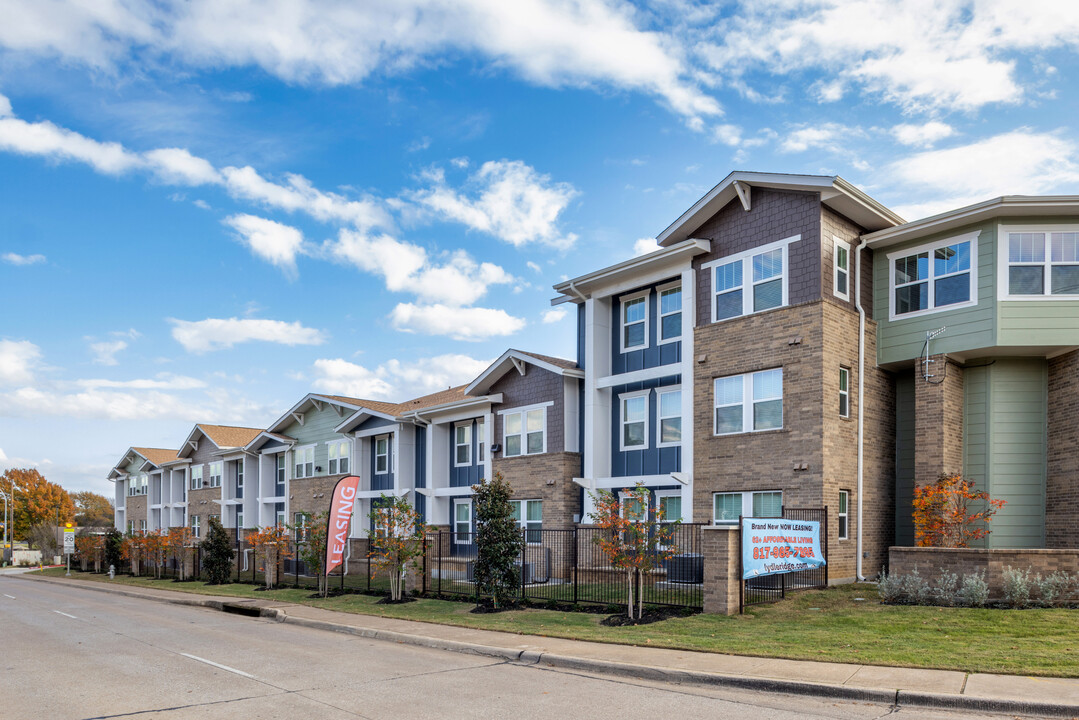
(773,546)
(344,497)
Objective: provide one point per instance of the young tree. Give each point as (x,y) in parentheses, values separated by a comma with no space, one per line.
(180,543)
(636,540)
(944,514)
(112,547)
(397,541)
(499,541)
(154,545)
(38,501)
(271,545)
(84,550)
(131,550)
(311,548)
(91,509)
(217,554)
(43,537)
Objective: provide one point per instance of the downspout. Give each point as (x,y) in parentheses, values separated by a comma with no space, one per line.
(857,289)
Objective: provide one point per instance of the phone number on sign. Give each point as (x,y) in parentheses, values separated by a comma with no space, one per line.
(782,551)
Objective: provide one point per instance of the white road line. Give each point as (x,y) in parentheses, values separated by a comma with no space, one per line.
(219,665)
(9,596)
(65,614)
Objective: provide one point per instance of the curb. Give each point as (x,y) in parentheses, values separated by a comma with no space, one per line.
(893,698)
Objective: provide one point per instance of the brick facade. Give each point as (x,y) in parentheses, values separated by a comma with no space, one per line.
(136,509)
(961,561)
(536,386)
(1062,466)
(938,423)
(313,495)
(202,503)
(547,477)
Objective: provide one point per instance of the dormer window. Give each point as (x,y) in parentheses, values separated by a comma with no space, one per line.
(635,322)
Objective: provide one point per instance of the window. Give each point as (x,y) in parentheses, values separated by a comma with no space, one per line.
(462,522)
(304,460)
(729,506)
(240,476)
(196,478)
(481,437)
(144,484)
(531,521)
(934,276)
(635,322)
(633,509)
(216,470)
(142,526)
(670,417)
(1035,272)
(196,525)
(382,454)
(750,282)
(634,420)
(240,519)
(462,444)
(670,507)
(762,411)
(338,452)
(844,392)
(132,485)
(524,432)
(279,520)
(130,527)
(302,520)
(211,518)
(844,496)
(670,314)
(281,469)
(841,262)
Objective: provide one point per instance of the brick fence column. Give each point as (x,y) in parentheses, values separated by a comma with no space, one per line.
(720,548)
(938,419)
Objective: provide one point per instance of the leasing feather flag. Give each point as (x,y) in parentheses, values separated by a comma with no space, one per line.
(344,496)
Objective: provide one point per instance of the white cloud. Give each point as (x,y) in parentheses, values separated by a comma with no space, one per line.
(456,322)
(3,455)
(272,241)
(21,260)
(177,166)
(534,267)
(43,139)
(105,352)
(643,246)
(1021,162)
(509,200)
(5,106)
(18,358)
(298,194)
(554,315)
(827,136)
(395,380)
(405,267)
(162,381)
(728,134)
(216,333)
(100,403)
(924,135)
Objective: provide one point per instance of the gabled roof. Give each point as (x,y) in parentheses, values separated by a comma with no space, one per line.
(630,273)
(1002,207)
(835,192)
(222,437)
(153,456)
(515,359)
(259,440)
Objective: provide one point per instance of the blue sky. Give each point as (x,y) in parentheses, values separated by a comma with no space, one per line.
(211,208)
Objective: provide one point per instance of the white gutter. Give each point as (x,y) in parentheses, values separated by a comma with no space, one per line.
(861,397)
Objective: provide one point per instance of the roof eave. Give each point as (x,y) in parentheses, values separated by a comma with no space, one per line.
(574,290)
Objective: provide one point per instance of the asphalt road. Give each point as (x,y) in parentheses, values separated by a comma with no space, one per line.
(70,653)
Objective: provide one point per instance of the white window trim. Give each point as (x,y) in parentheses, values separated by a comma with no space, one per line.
(644,294)
(748,403)
(343,444)
(196,525)
(523,410)
(1003,264)
(747,502)
(660,494)
(456,535)
(660,314)
(836,245)
(456,445)
(296,451)
(972,238)
(622,419)
(376,454)
(481,436)
(843,536)
(747,297)
(522,516)
(842,392)
(660,391)
(201,477)
(623,496)
(219,476)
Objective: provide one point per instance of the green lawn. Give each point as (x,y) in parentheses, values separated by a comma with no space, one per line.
(811,625)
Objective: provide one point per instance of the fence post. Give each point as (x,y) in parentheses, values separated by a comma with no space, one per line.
(576,564)
(741,572)
(826,542)
(423,584)
(440,562)
(296,567)
(524,558)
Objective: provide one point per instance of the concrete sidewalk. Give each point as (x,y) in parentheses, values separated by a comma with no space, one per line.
(902,687)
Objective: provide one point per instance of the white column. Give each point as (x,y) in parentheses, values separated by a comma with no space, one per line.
(689,321)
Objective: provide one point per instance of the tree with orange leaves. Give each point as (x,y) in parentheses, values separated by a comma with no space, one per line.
(37,501)
(180,543)
(636,540)
(397,541)
(944,514)
(132,550)
(154,545)
(271,545)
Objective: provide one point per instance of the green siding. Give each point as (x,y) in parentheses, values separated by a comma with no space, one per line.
(904,458)
(1015,448)
(1038,322)
(976,413)
(132,468)
(317,429)
(968,328)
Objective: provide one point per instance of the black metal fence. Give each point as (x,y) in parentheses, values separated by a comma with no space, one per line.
(569,566)
(770,588)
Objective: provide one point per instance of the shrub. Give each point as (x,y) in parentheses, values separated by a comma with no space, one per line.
(114,541)
(973,591)
(943,515)
(889,588)
(1016,587)
(915,589)
(499,541)
(217,554)
(944,591)
(1053,589)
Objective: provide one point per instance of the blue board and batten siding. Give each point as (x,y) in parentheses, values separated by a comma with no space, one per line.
(651,460)
(654,354)
(421,470)
(382,481)
(465,475)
